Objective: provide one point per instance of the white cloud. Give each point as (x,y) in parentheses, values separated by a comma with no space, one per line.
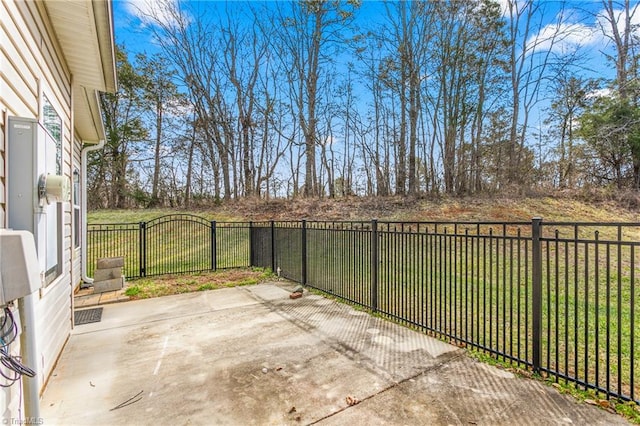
(565,35)
(563,38)
(180,109)
(600,93)
(516,4)
(604,26)
(151,12)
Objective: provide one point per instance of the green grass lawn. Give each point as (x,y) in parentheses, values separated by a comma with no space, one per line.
(166,285)
(145,215)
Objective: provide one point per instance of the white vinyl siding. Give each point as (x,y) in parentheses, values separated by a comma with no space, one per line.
(30,67)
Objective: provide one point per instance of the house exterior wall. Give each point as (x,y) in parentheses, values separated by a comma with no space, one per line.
(3,195)
(31,68)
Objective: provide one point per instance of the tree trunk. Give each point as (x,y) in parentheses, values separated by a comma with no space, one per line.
(156,162)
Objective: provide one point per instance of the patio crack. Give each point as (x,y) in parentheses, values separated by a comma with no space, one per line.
(446,358)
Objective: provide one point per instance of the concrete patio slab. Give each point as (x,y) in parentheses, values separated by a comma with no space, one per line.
(252,356)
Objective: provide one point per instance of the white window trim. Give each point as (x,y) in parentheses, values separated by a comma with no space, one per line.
(46,92)
(76,205)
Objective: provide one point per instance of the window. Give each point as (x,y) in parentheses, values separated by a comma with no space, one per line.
(50,217)
(76,207)
(53,123)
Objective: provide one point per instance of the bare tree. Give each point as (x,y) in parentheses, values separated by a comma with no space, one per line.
(617,27)
(529,58)
(405,36)
(161,93)
(310,33)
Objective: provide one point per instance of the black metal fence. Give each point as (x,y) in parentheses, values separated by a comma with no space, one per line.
(558,298)
(555,297)
(170,244)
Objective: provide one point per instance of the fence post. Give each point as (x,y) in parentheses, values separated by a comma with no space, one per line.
(273,247)
(142,246)
(374,265)
(304,252)
(251,259)
(213,246)
(536,233)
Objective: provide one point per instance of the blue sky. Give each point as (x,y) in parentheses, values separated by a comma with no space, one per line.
(581,21)
(580,18)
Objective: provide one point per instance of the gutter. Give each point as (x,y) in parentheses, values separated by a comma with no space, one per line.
(83,206)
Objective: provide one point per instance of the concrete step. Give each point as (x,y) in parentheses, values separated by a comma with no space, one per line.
(107,274)
(108,285)
(110,262)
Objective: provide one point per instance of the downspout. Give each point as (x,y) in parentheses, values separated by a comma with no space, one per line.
(83,205)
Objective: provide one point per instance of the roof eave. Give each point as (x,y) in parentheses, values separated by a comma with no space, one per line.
(84,31)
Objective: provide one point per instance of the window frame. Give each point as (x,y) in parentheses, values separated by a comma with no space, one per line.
(75,205)
(47,109)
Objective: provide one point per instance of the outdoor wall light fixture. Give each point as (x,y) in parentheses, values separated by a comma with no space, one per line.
(53,189)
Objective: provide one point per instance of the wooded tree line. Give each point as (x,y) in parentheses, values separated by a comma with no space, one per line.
(322,98)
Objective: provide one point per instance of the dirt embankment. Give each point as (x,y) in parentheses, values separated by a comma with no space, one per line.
(554,207)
